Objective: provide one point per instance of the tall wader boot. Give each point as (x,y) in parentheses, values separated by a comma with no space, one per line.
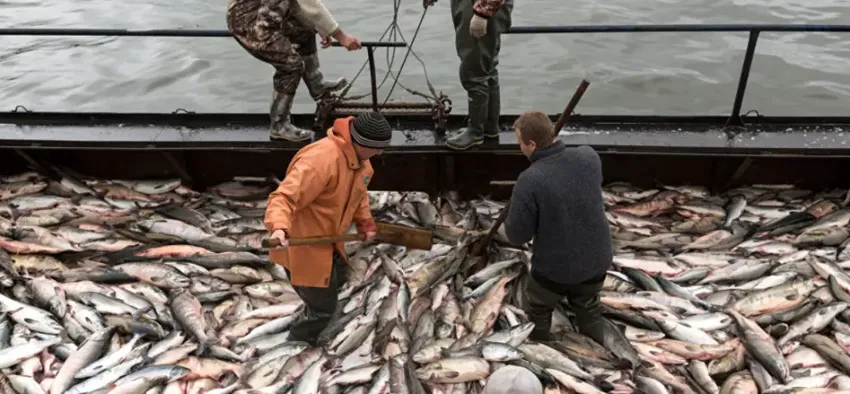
(305,41)
(494,108)
(281,121)
(303,62)
(478,73)
(319,305)
(541,304)
(584,301)
(268,36)
(316,84)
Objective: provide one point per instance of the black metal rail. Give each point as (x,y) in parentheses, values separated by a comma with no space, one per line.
(369,45)
(734,119)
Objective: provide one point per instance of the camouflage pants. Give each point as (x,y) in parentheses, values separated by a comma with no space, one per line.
(319,304)
(583,299)
(270,33)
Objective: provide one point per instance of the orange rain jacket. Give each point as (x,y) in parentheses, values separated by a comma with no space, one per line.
(323,192)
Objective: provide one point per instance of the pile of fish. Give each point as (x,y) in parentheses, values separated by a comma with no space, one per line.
(123,286)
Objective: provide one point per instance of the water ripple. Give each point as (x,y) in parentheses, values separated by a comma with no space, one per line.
(648,73)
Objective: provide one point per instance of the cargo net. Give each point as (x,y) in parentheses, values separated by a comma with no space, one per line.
(437,103)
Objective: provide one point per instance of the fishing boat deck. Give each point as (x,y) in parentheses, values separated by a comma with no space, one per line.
(608,134)
(206,149)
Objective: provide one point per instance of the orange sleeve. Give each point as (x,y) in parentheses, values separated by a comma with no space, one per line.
(302,185)
(363,217)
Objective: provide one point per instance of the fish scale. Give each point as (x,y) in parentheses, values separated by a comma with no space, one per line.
(687,262)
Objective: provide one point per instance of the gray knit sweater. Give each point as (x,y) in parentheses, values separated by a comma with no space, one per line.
(557,201)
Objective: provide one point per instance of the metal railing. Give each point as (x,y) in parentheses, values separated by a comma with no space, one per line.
(369,45)
(734,119)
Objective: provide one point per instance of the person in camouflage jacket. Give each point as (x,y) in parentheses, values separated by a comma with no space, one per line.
(282,33)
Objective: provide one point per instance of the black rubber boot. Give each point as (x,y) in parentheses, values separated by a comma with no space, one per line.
(494,108)
(473,133)
(317,85)
(281,126)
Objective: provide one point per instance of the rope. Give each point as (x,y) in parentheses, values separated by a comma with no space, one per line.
(395,34)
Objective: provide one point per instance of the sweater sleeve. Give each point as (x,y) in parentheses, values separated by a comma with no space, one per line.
(316,13)
(521,222)
(300,187)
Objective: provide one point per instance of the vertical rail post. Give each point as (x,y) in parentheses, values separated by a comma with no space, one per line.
(735,117)
(373,77)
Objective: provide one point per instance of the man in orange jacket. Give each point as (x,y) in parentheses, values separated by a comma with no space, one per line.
(324,190)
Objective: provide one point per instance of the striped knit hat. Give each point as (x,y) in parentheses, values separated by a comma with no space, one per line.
(371,130)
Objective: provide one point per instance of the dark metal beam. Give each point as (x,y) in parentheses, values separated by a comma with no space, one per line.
(449,172)
(739,172)
(179,168)
(34,164)
(154,33)
(647,28)
(373,78)
(650,28)
(735,117)
(231,120)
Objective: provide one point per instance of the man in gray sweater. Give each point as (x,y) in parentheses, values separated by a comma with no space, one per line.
(558,202)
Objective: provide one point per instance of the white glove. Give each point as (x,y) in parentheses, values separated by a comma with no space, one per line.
(477,26)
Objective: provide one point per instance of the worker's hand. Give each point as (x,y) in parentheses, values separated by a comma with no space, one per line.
(326,42)
(369,236)
(477,26)
(280,235)
(349,42)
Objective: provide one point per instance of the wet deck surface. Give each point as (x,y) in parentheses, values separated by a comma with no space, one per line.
(210,149)
(607,137)
(831,141)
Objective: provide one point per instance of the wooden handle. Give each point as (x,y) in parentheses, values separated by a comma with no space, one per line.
(499,220)
(273,242)
(482,243)
(571,105)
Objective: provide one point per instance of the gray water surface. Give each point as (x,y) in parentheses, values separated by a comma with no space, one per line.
(641,73)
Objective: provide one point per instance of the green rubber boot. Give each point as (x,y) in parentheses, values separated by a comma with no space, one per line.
(473,133)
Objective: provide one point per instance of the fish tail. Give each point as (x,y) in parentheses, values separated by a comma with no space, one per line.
(14,214)
(641,368)
(600,382)
(77,198)
(126,254)
(247,368)
(248,353)
(203,347)
(139,312)
(714,308)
